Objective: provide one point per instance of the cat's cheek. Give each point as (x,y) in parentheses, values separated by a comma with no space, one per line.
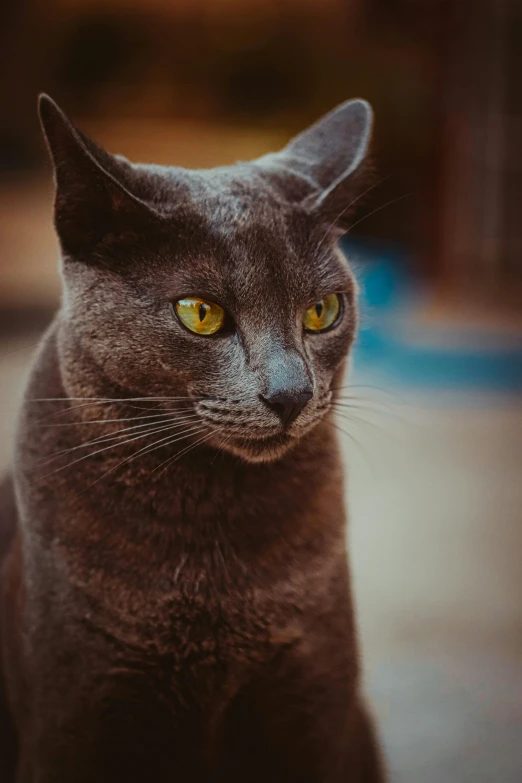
(329,351)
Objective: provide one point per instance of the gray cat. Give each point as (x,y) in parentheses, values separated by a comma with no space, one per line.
(175,592)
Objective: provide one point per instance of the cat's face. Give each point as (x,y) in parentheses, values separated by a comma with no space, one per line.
(221,291)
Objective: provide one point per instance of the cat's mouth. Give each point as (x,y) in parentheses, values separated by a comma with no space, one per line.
(258,449)
(238,432)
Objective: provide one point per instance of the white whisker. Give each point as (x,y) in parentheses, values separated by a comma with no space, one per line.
(108,421)
(109,399)
(220,449)
(378,209)
(149,449)
(359,445)
(100,451)
(152,428)
(184,451)
(126,404)
(359,421)
(354,201)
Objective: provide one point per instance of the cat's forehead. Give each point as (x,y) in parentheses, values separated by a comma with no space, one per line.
(239,235)
(234,197)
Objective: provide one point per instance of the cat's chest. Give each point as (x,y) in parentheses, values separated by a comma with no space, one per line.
(202,598)
(205,644)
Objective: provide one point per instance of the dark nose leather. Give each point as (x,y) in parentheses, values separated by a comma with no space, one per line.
(288,404)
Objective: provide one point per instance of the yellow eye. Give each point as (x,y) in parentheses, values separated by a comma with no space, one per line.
(322,314)
(200,316)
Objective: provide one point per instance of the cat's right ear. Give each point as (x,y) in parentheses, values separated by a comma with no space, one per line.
(91,203)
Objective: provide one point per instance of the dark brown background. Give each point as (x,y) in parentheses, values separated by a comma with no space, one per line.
(202,81)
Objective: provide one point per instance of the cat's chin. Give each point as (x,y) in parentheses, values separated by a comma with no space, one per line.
(260,450)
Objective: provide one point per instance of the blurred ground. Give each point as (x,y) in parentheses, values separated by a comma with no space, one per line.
(435,544)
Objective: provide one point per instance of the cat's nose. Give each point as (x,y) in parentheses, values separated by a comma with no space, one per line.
(287,403)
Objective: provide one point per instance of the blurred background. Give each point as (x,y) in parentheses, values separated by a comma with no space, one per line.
(433,446)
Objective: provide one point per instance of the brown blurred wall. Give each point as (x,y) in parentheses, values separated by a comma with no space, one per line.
(443,78)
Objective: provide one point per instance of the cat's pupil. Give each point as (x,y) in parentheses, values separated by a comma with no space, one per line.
(202,312)
(319,309)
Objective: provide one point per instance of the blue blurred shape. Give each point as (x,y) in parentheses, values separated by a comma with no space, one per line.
(399,348)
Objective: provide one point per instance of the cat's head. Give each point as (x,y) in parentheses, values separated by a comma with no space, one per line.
(223,287)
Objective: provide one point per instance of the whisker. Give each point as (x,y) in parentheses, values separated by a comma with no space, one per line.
(152,428)
(359,445)
(344,399)
(184,451)
(74,408)
(372,387)
(149,449)
(63,411)
(354,201)
(100,451)
(220,449)
(384,398)
(366,406)
(170,421)
(378,209)
(396,410)
(110,399)
(108,421)
(18,350)
(358,421)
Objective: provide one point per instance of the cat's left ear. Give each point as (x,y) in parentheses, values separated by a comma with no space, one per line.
(329,156)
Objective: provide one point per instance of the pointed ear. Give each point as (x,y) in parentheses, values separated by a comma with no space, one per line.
(91,203)
(330,154)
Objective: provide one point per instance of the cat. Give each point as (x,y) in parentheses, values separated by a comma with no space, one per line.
(176,600)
